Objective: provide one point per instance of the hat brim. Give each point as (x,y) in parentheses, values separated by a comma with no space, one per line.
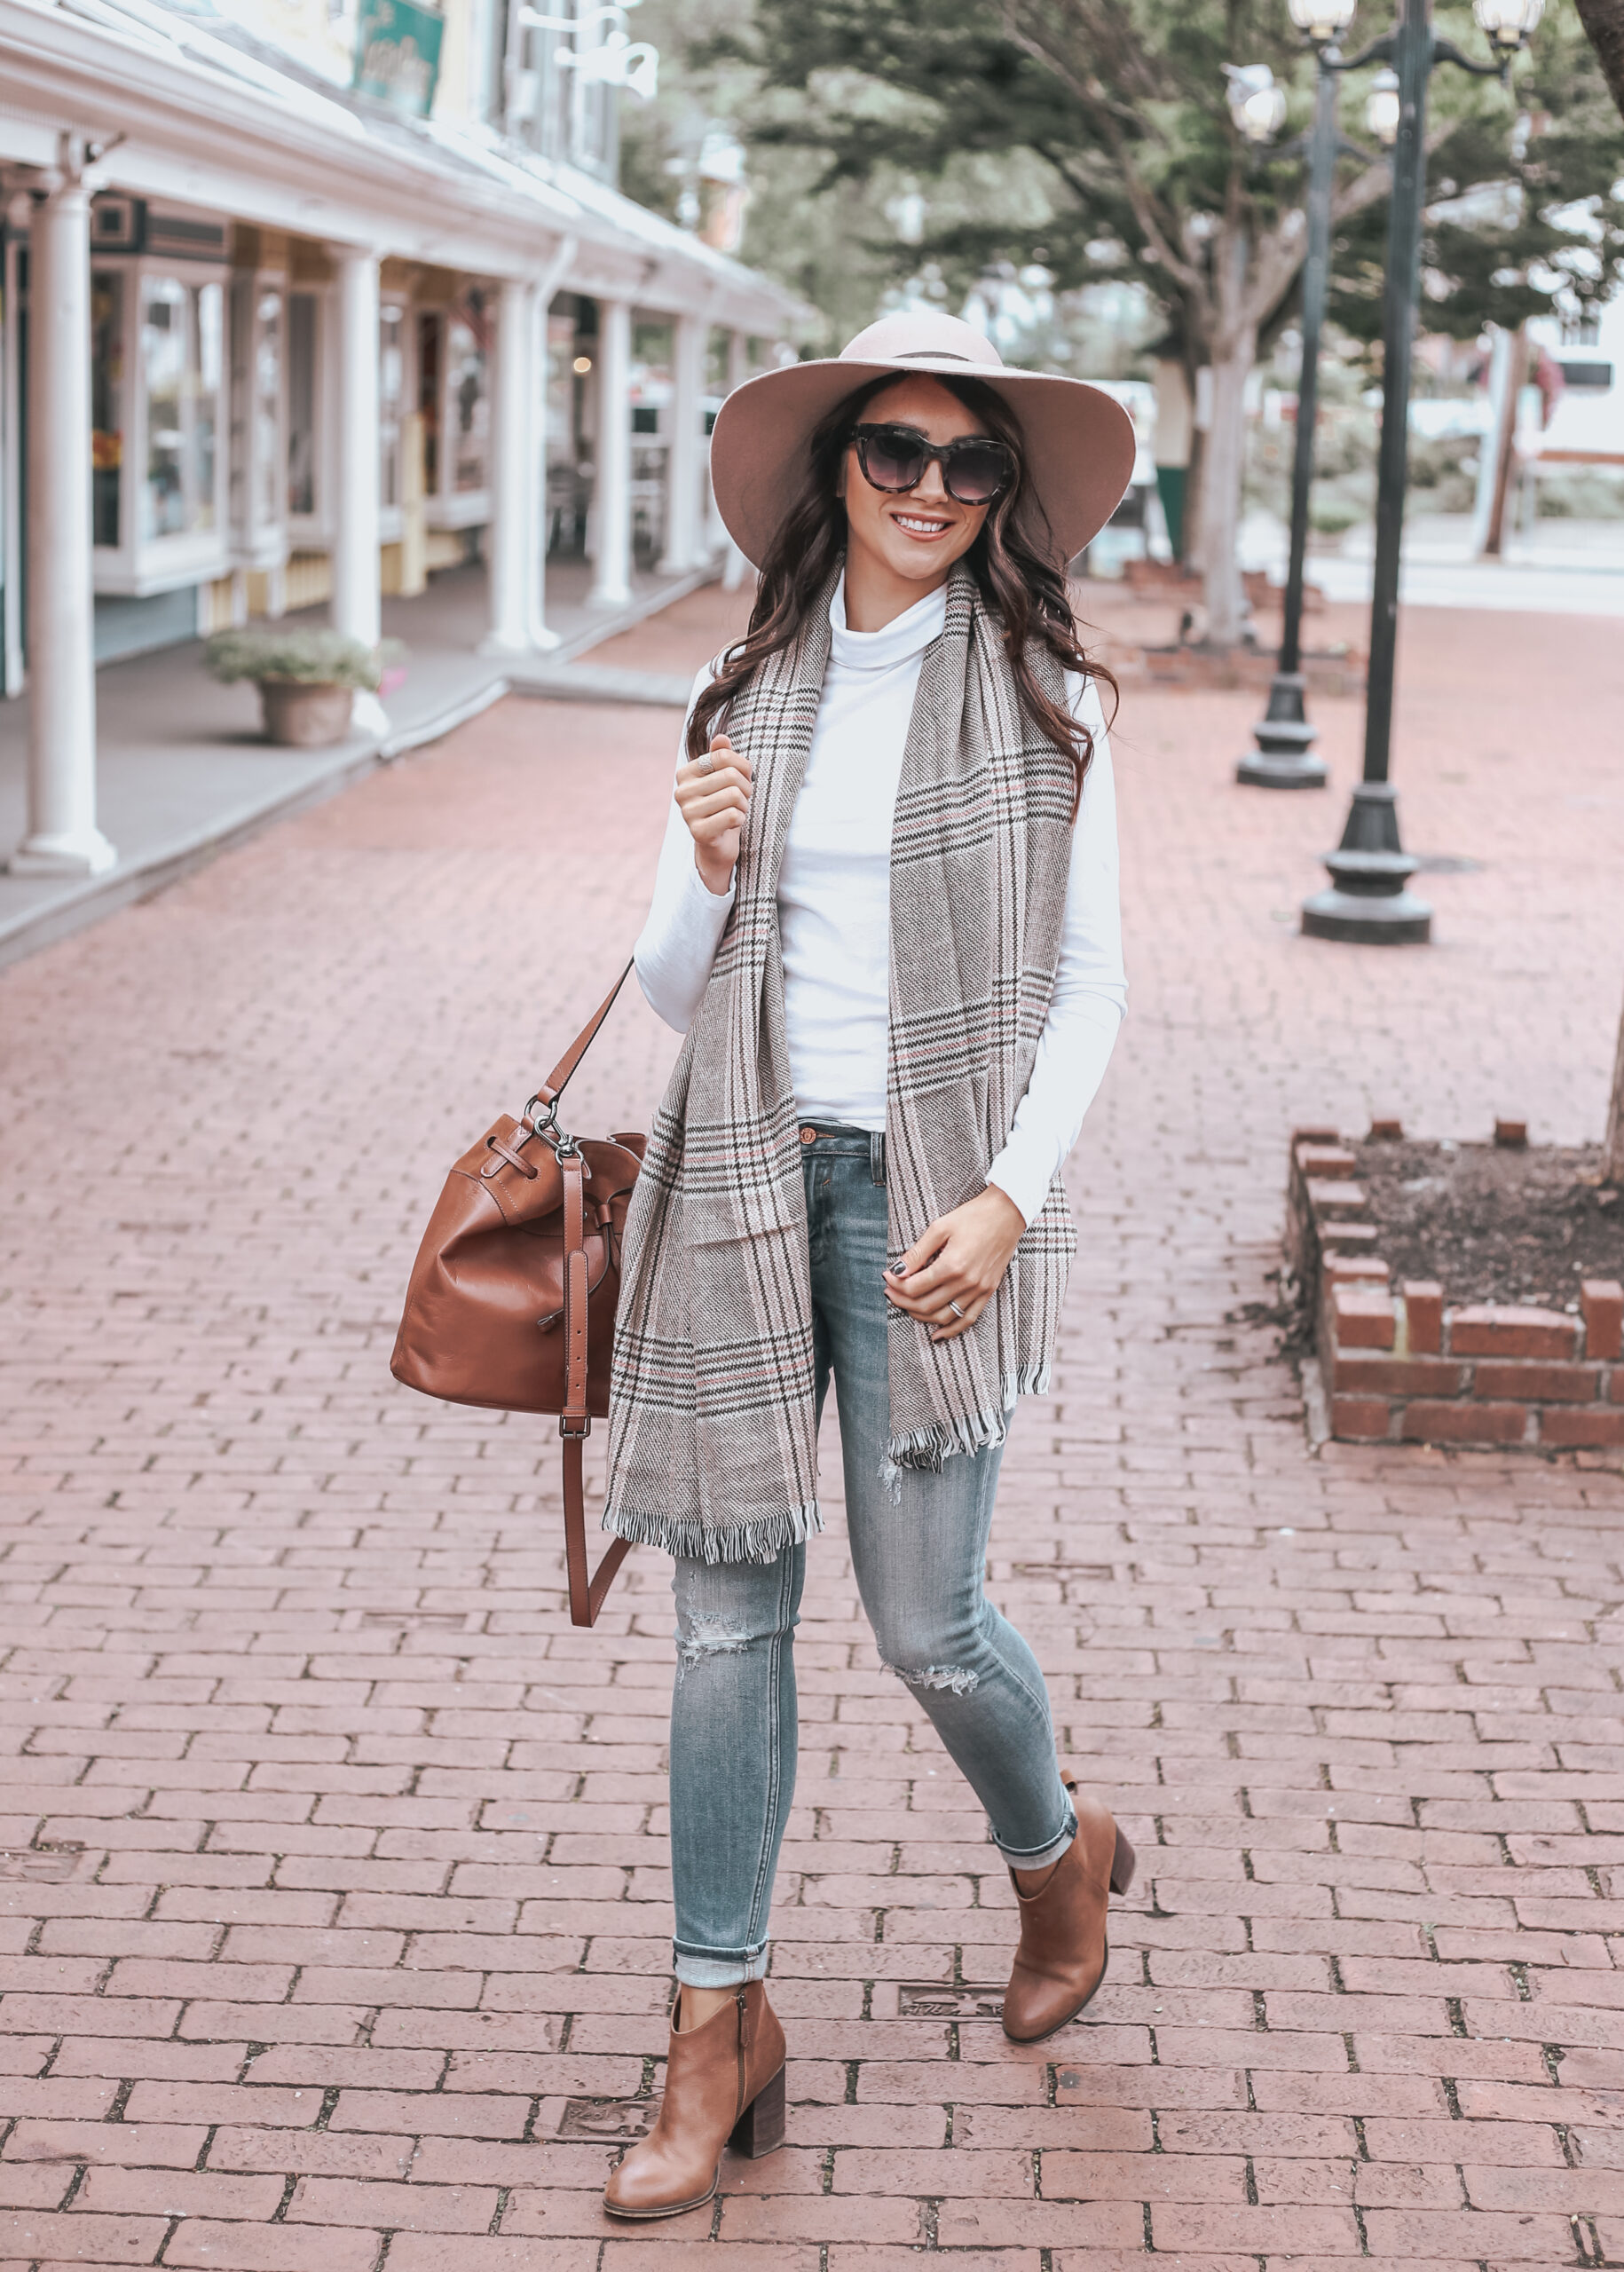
(1079,442)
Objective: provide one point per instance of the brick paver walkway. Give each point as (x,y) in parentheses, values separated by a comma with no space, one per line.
(335,1892)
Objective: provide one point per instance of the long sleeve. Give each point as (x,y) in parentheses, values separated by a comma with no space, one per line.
(1091,991)
(677,944)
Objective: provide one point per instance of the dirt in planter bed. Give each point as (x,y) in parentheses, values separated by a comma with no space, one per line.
(1493,1225)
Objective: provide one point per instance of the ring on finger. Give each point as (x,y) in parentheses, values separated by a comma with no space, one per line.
(956,1310)
(707,760)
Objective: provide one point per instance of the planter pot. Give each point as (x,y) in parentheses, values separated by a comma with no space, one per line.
(302,716)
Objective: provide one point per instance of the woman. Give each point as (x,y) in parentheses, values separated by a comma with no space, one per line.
(886,918)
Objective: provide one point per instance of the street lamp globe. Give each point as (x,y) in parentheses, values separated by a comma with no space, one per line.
(1321,21)
(1382,109)
(1256,104)
(1509,24)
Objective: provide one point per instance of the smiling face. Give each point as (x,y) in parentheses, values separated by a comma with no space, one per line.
(913,539)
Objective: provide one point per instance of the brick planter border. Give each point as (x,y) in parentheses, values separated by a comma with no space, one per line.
(1400,1365)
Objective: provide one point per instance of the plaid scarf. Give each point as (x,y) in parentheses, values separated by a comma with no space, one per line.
(713,1435)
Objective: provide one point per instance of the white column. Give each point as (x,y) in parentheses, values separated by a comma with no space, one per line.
(16,213)
(356,608)
(63,837)
(514,516)
(683,545)
(612,503)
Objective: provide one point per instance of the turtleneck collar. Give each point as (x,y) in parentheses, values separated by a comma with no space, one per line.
(908,634)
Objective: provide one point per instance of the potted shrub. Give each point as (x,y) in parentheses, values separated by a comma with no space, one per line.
(1329,519)
(307,678)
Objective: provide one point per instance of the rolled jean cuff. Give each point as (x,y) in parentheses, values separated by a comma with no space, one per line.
(717,1967)
(1041,1856)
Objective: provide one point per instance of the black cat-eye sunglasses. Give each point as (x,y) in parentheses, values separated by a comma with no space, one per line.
(975,469)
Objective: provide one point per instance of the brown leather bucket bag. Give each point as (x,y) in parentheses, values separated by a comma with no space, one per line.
(512,1297)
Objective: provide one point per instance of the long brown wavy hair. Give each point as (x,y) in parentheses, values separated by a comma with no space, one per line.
(1012,560)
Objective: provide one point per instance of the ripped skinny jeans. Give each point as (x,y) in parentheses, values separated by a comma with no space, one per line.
(918,1550)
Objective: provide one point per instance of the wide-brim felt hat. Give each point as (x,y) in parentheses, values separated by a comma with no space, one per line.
(1078,440)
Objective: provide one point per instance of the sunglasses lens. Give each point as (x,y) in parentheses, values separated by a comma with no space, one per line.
(893,458)
(977,471)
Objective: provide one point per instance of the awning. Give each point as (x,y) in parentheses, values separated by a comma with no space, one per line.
(198,113)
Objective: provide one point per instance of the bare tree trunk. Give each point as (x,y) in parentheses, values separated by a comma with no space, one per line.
(1612,1148)
(1603,23)
(1505,440)
(1223,466)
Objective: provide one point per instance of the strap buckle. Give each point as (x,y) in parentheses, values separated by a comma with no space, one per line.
(543,1121)
(569,1425)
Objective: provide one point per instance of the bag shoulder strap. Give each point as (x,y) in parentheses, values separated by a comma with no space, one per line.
(549,1090)
(588,1587)
(586,1591)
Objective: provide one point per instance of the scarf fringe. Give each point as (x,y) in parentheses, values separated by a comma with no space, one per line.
(972,1432)
(691,1540)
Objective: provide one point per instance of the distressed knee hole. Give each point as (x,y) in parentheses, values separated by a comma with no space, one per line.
(958,1680)
(707,1633)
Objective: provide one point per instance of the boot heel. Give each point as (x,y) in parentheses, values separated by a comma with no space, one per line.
(759,2128)
(1122,1865)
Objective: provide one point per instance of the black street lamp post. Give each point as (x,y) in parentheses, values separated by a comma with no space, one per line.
(1368,902)
(1284,758)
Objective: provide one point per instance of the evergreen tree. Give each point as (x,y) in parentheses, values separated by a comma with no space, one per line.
(1603,23)
(1522,215)
(1122,105)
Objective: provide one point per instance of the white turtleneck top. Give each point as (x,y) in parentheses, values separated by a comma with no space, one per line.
(834,910)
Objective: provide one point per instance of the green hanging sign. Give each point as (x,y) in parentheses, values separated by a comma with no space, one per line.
(397,54)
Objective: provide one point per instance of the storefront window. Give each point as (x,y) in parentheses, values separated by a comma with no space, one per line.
(467,393)
(267,411)
(107,403)
(181,340)
(392,402)
(429,330)
(302,395)
(571,352)
(653,348)
(206,303)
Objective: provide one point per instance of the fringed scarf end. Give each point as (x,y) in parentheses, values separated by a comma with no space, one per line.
(690,1539)
(927,1448)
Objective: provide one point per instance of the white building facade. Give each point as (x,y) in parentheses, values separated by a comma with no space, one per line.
(271,340)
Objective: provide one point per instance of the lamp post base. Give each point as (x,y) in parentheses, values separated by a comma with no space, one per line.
(1368,904)
(1284,738)
(1386,916)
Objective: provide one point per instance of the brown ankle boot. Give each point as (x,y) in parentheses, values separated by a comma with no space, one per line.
(1062,1958)
(724,2086)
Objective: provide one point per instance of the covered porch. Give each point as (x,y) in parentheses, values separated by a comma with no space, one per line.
(184,769)
(264,352)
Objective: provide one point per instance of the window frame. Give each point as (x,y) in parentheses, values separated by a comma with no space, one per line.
(312,531)
(140,566)
(392,445)
(444,505)
(258,542)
